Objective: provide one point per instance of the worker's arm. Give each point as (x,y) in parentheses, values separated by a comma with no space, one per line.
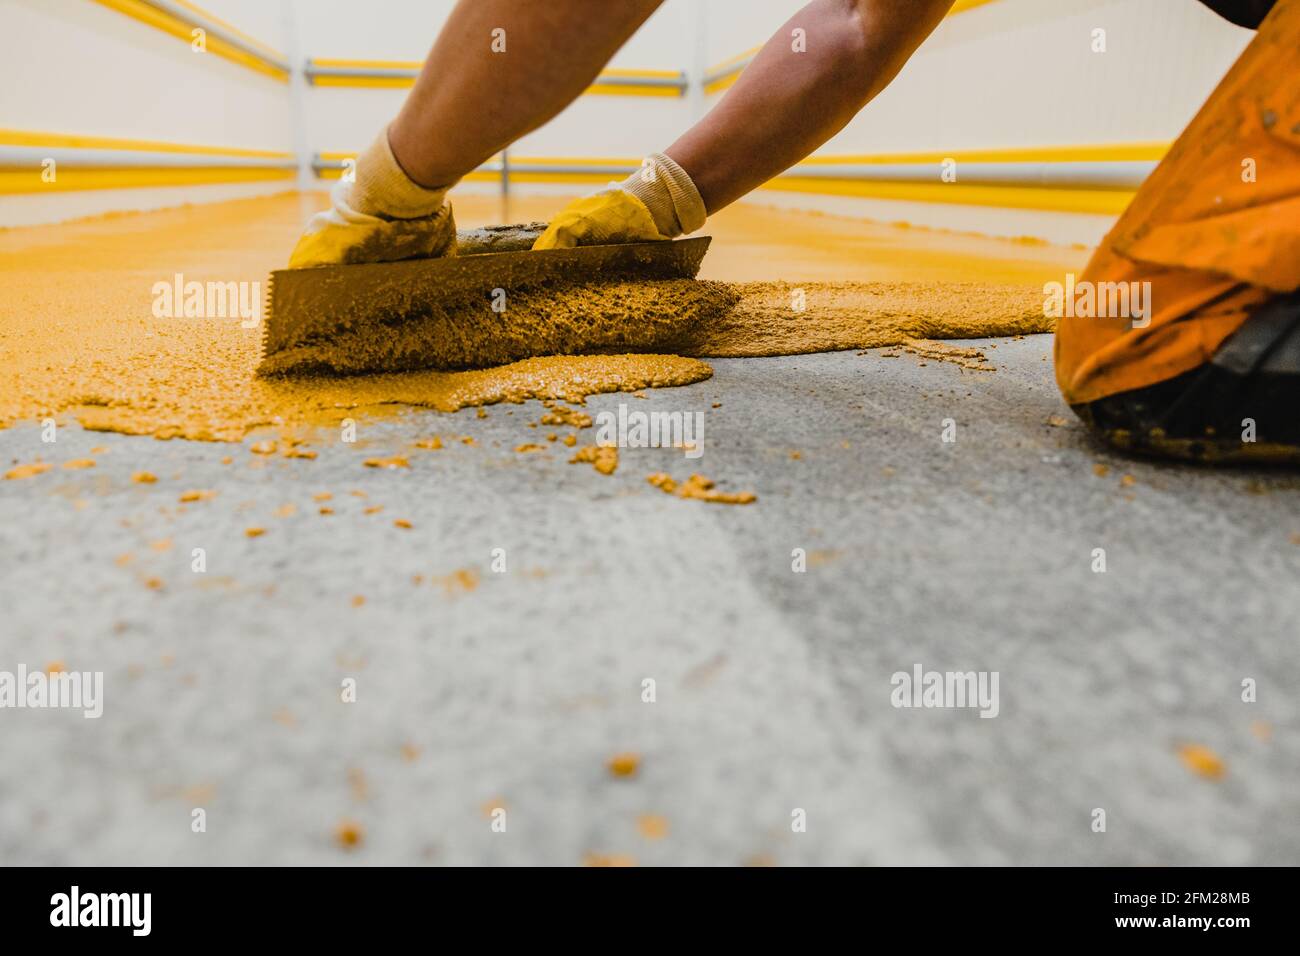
(499,69)
(786,104)
(826,63)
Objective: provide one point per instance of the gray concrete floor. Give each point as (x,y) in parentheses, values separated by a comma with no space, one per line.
(773,688)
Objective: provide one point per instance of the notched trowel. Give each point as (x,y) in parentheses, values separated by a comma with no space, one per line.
(491,303)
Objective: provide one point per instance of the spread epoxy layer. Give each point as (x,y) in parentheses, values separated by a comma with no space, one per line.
(79,331)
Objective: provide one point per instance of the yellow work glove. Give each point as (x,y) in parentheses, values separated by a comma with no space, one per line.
(382,216)
(658,201)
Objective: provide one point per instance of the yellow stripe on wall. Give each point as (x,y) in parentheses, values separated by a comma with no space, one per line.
(159,20)
(362,82)
(489,177)
(1152,151)
(72,179)
(624,89)
(28,179)
(405,82)
(252,41)
(18,137)
(1060,199)
(1101,201)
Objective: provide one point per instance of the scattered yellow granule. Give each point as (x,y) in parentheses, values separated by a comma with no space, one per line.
(254,532)
(300,453)
(153,584)
(54,667)
(267,447)
(551,436)
(608,859)
(122,560)
(27,471)
(1057,421)
(226,460)
(188,496)
(604,458)
(701,489)
(464,579)
(286,510)
(967,358)
(1201,760)
(358,600)
(78,464)
(372,510)
(402,523)
(397,461)
(624,764)
(358,494)
(357,780)
(144,477)
(652,826)
(467,440)
(819,557)
(349,834)
(481,413)
(796,456)
(432,444)
(528,446)
(322,496)
(1100,470)
(162,544)
(410,752)
(571,440)
(326,511)
(1127,481)
(563,415)
(488,807)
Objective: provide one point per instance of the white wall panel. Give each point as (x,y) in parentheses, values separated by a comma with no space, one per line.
(73,66)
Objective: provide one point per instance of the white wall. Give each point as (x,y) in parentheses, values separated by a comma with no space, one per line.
(77,67)
(1015,73)
(344,118)
(1021,73)
(1009,73)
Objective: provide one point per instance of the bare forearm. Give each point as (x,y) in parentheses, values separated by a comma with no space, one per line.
(786,104)
(472,99)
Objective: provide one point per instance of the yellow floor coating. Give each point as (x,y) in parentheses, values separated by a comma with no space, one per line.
(78,335)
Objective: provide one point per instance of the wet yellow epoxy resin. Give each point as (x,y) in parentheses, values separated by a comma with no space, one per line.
(91,326)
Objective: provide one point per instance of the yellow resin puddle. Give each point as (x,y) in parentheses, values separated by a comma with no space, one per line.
(79,334)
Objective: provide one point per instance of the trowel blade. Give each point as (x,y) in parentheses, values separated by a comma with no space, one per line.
(309,304)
